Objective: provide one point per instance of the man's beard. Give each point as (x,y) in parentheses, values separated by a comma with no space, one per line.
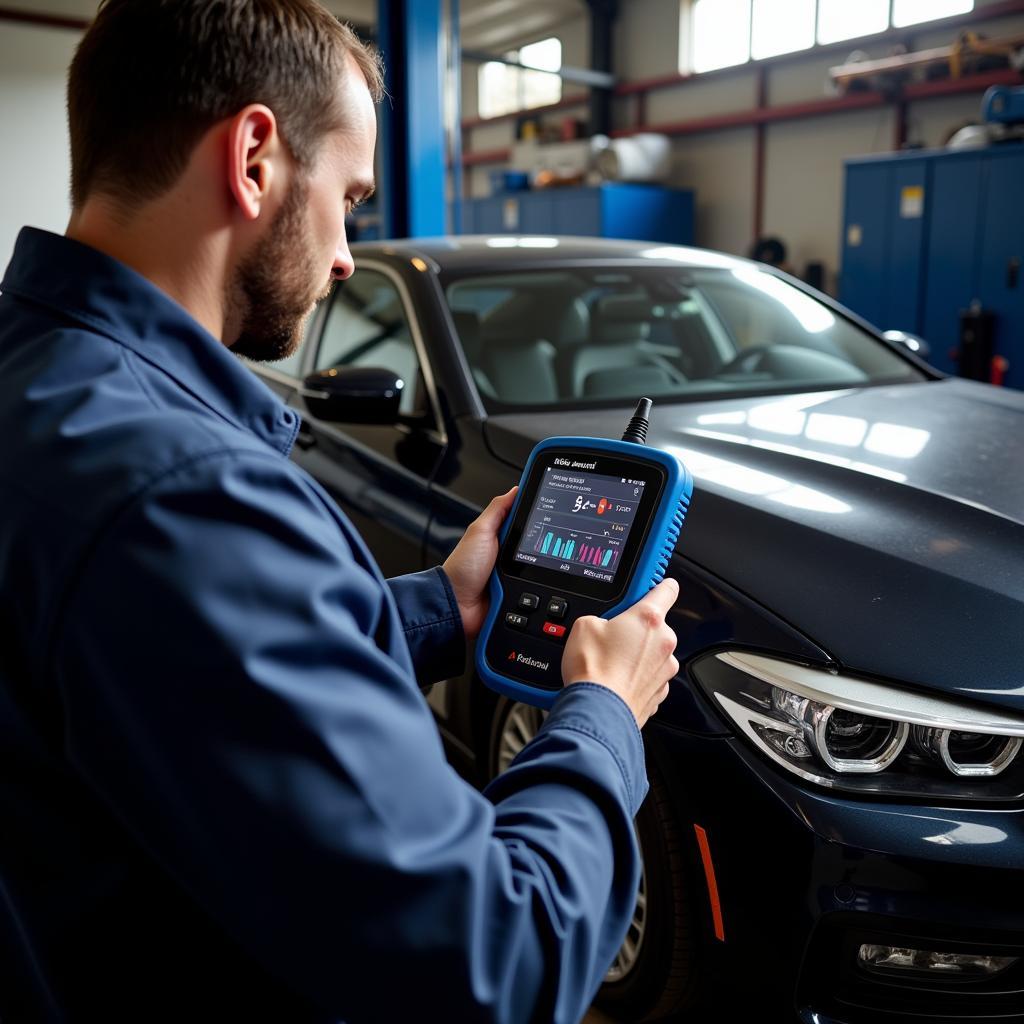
(273,290)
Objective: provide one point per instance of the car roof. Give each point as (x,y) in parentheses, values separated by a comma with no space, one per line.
(491,252)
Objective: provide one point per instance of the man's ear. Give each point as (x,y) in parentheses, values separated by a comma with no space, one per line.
(254,148)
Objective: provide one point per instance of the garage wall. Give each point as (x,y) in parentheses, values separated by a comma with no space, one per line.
(641,41)
(803,159)
(720,166)
(35,167)
(803,193)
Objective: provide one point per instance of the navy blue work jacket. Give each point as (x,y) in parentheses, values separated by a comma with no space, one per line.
(223,796)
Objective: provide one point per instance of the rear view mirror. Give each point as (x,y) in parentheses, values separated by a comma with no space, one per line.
(353,394)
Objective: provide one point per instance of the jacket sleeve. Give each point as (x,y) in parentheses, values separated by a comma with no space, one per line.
(432,624)
(223,695)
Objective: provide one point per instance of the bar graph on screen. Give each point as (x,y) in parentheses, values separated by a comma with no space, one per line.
(578,524)
(571,550)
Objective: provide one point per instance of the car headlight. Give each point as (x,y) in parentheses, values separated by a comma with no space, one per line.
(863,736)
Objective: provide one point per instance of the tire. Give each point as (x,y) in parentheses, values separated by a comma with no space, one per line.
(654,973)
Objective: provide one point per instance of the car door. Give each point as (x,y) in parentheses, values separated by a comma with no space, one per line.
(378,473)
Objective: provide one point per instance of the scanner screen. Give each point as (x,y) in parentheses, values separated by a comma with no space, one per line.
(579,522)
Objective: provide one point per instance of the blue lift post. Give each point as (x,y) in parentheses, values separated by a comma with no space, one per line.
(411,37)
(455,114)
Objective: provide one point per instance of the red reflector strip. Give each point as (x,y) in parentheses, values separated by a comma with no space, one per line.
(709,875)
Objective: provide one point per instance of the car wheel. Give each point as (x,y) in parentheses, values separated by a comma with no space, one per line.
(653,973)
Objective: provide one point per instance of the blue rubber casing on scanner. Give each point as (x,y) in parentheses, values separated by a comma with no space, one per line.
(651,562)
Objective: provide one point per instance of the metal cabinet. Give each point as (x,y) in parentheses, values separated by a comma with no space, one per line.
(883,242)
(952,254)
(646,212)
(1000,285)
(928,234)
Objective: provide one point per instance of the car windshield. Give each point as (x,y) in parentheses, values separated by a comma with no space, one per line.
(592,334)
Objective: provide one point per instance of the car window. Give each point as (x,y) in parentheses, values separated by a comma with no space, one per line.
(481,300)
(585,333)
(366,325)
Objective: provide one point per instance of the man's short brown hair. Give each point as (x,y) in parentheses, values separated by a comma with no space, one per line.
(151,77)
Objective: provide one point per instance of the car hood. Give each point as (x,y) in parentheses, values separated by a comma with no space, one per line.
(885,523)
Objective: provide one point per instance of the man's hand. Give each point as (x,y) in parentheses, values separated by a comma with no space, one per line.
(469,565)
(630,654)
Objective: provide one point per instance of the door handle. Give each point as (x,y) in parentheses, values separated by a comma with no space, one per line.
(1013,272)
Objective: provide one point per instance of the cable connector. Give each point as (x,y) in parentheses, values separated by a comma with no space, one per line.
(637,429)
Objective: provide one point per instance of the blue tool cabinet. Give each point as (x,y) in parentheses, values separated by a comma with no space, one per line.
(645,212)
(926,234)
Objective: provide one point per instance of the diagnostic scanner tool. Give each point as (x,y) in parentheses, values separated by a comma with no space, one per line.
(591,531)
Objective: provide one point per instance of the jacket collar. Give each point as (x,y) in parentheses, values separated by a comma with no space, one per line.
(106,296)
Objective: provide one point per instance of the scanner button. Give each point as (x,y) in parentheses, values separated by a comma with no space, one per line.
(553,629)
(529,602)
(557,607)
(515,619)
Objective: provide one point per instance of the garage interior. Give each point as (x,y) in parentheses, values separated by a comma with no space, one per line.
(766,118)
(873,150)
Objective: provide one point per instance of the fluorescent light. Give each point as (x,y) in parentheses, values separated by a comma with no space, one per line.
(896,441)
(517,242)
(777,418)
(711,418)
(845,430)
(737,477)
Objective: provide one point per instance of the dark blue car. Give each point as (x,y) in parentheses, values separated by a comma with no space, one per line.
(834,830)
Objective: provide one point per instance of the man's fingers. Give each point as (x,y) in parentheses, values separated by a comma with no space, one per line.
(496,510)
(500,505)
(662,597)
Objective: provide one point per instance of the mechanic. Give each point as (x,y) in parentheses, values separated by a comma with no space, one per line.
(224,796)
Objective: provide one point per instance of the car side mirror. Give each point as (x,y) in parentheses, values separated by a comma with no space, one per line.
(353,394)
(912,342)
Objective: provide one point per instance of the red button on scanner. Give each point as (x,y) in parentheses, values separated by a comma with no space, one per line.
(553,629)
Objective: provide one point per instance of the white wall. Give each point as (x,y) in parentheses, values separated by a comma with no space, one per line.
(35,164)
(803,159)
(720,167)
(803,194)
(646,37)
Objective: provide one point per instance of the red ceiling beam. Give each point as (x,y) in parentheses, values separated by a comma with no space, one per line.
(968,83)
(759,116)
(762,115)
(834,105)
(567,101)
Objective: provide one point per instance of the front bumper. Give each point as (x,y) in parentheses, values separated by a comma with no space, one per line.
(804,876)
